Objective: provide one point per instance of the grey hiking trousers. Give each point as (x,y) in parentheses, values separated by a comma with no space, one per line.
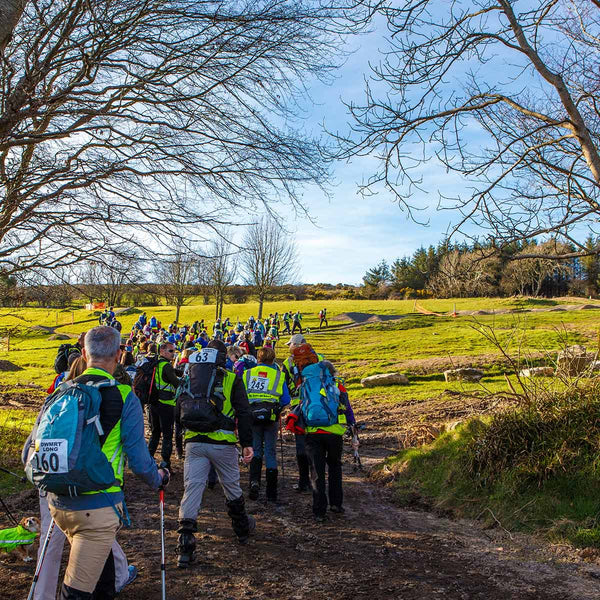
(198,459)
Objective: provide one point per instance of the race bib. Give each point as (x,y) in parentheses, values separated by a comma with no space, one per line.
(258,384)
(206,355)
(51,456)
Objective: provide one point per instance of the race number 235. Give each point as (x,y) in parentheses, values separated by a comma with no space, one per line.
(51,456)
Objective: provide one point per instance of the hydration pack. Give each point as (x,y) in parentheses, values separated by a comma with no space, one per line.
(144,384)
(200,400)
(65,456)
(319,396)
(61,362)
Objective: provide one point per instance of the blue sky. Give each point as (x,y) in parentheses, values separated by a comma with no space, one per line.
(353,233)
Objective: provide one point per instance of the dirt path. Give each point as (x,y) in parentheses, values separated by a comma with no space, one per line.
(375,550)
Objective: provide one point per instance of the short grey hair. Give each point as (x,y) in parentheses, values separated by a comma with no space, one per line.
(102,342)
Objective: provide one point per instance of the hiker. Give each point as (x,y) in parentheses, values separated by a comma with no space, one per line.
(210,439)
(162,413)
(90,521)
(48,577)
(297,324)
(292,380)
(323,318)
(286,321)
(267,395)
(72,357)
(324,443)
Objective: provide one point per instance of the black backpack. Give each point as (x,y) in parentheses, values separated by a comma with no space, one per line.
(144,386)
(61,362)
(200,399)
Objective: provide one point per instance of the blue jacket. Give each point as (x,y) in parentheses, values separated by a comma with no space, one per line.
(132,440)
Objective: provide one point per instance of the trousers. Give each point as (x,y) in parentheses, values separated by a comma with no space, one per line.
(198,459)
(48,577)
(325,450)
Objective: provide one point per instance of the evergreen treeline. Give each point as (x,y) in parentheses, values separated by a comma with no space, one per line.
(463,270)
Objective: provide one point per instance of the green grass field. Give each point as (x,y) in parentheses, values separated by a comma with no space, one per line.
(357,352)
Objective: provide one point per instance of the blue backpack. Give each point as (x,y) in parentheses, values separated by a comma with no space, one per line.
(65,456)
(319,396)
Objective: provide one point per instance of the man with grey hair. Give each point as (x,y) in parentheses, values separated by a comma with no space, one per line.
(91,520)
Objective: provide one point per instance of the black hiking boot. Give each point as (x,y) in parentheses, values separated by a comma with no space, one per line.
(255,471)
(303,484)
(186,544)
(271,476)
(242,524)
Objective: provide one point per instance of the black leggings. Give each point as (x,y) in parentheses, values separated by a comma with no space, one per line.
(162,420)
(325,449)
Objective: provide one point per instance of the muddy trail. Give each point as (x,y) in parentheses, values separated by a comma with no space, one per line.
(375,550)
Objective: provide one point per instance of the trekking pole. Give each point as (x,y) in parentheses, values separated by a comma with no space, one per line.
(161,497)
(355,445)
(21,477)
(281,450)
(40,561)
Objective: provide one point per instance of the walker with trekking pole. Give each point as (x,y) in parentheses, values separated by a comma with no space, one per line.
(38,567)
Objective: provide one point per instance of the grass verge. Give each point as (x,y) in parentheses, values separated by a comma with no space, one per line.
(533,469)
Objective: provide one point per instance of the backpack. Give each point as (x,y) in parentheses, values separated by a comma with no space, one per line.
(64,455)
(304,355)
(61,362)
(144,386)
(199,400)
(319,396)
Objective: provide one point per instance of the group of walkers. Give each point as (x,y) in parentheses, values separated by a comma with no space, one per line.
(211,395)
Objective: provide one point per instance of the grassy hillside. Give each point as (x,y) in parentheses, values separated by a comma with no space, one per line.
(412,344)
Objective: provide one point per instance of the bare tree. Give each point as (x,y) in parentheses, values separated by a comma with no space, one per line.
(10,13)
(268,258)
(120,119)
(203,284)
(221,270)
(117,270)
(527,275)
(176,277)
(503,94)
(465,274)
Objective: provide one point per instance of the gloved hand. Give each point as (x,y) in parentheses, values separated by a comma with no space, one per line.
(166,477)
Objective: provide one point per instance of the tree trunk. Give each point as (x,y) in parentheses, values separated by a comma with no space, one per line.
(206,299)
(10,13)
(261,300)
(177,309)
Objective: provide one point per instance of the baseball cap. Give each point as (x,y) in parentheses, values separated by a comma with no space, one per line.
(296,339)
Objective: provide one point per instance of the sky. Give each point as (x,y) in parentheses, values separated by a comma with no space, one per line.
(352,233)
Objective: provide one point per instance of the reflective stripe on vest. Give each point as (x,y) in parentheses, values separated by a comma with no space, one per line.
(162,385)
(273,387)
(113,446)
(221,435)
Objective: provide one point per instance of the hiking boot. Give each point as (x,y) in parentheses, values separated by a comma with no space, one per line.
(251,529)
(301,488)
(255,471)
(254,490)
(271,476)
(186,543)
(242,524)
(132,574)
(337,509)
